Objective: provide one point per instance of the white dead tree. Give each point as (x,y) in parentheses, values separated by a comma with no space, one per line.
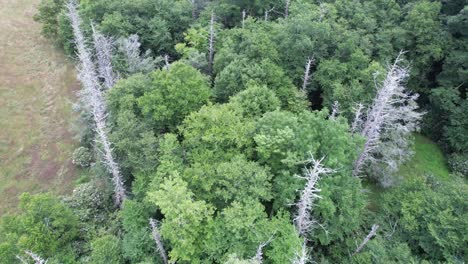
(104,48)
(244,15)
(37,259)
(258,259)
(369,236)
(92,96)
(267,13)
(303,219)
(166,62)
(286,8)
(357,122)
(194,8)
(302,257)
(307,74)
(136,61)
(211,44)
(157,240)
(391,118)
(335,110)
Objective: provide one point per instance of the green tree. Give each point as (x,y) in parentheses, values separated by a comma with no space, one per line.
(174,94)
(44,225)
(106,249)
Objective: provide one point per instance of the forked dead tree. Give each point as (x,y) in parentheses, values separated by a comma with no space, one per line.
(335,110)
(259,255)
(92,96)
(393,111)
(157,240)
(357,122)
(136,61)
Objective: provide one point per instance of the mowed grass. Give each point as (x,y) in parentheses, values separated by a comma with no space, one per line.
(427,160)
(36,95)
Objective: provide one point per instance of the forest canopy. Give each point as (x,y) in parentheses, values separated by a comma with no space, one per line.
(279,131)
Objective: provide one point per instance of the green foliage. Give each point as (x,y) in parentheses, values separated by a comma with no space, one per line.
(106,249)
(255,101)
(44,225)
(459,164)
(285,141)
(431,216)
(82,157)
(188,217)
(174,94)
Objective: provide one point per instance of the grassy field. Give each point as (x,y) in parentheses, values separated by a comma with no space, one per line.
(37,86)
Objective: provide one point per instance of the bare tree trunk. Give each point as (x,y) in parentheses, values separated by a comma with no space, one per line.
(259,255)
(267,13)
(303,219)
(211,44)
(157,240)
(357,122)
(166,62)
(302,257)
(286,8)
(92,96)
(37,259)
(369,236)
(104,47)
(335,110)
(307,75)
(244,14)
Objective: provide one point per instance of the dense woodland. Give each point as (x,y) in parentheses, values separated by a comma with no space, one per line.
(262,131)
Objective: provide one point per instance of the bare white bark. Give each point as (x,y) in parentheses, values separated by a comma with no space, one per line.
(303,219)
(136,61)
(104,48)
(393,110)
(166,62)
(244,15)
(323,11)
(286,8)
(335,110)
(93,97)
(259,255)
(157,240)
(267,13)
(37,259)
(369,236)
(211,44)
(307,74)
(302,257)
(357,122)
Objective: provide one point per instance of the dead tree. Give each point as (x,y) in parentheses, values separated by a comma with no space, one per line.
(104,48)
(244,15)
(307,74)
(392,111)
(92,96)
(369,236)
(286,8)
(166,62)
(157,240)
(136,61)
(211,44)
(357,122)
(302,257)
(303,219)
(267,13)
(258,259)
(335,110)
(37,259)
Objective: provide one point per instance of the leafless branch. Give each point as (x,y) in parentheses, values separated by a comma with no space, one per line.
(37,259)
(302,257)
(307,74)
(157,239)
(335,110)
(357,122)
(211,43)
(286,8)
(104,47)
(303,219)
(259,255)
(369,236)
